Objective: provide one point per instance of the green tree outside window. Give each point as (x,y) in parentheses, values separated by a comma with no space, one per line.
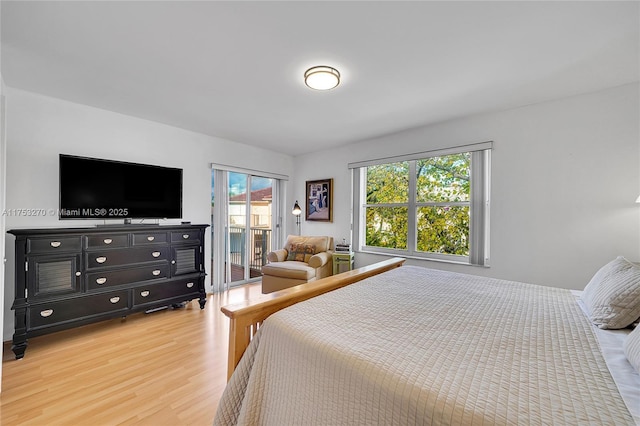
(441,195)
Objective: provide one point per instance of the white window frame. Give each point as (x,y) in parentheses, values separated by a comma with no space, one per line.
(479,205)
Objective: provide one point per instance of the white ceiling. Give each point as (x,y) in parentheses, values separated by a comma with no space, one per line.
(234,69)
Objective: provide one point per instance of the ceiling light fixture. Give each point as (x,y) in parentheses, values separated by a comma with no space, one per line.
(322,77)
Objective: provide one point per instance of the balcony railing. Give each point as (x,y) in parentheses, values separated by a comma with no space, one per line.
(259,244)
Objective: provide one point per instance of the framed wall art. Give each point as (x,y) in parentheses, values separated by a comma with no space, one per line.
(319,200)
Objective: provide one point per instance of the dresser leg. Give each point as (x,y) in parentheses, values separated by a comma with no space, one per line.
(20,333)
(19,347)
(202,293)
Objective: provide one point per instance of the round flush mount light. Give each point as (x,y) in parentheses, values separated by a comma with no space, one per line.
(322,77)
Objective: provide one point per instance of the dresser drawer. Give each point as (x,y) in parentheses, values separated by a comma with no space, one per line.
(47,314)
(104,279)
(155,292)
(107,241)
(144,238)
(53,244)
(106,258)
(185,236)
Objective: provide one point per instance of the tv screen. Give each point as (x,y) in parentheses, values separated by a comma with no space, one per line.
(92,188)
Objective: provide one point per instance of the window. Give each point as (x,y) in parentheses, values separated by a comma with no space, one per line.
(431,205)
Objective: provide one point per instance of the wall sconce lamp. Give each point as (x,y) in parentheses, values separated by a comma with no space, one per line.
(638,199)
(297,211)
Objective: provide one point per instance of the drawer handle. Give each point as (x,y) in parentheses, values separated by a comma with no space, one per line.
(108,240)
(78,273)
(114,299)
(173,262)
(185,236)
(151,238)
(101,280)
(46,313)
(155,254)
(101,259)
(55,244)
(156,272)
(144,293)
(189,285)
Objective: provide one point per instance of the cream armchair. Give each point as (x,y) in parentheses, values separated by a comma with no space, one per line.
(302,260)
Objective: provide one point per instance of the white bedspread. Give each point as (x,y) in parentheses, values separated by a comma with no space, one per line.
(421,346)
(626,378)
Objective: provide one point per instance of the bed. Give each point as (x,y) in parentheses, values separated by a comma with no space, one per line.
(411,345)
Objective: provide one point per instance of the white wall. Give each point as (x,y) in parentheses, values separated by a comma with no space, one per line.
(2,194)
(39,128)
(565,175)
(3,163)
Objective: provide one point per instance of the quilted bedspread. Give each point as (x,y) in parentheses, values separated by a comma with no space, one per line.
(421,346)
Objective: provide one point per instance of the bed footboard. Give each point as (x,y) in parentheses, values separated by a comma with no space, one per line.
(246,317)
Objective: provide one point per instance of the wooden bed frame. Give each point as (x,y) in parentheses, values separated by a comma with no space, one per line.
(246,317)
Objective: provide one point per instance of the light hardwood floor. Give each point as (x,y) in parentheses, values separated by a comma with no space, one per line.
(163,368)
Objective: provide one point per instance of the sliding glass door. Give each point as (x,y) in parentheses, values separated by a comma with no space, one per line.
(245,225)
(249,202)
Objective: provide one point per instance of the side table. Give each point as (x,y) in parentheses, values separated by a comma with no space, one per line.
(341,258)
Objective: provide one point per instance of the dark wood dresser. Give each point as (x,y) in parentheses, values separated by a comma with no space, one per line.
(67,277)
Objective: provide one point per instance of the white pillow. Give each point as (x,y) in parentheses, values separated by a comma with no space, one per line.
(612,297)
(631,348)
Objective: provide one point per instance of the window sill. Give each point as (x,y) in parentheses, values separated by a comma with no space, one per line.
(427,259)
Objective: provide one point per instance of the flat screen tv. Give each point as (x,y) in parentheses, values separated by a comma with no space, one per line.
(92,188)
